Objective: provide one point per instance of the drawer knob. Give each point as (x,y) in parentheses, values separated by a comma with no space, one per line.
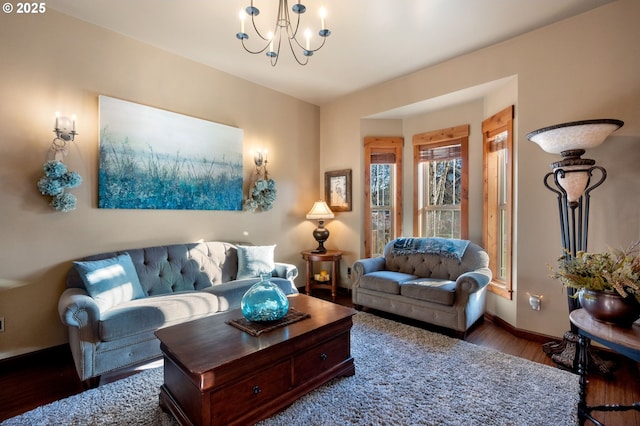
(323,357)
(256,390)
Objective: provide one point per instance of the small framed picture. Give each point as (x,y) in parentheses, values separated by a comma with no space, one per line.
(337,187)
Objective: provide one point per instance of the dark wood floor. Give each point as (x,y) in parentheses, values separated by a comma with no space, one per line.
(30,381)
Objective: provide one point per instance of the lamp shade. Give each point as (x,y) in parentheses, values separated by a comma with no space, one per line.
(320,211)
(574,180)
(574,135)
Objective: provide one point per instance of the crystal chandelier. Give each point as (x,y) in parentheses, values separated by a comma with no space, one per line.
(284,29)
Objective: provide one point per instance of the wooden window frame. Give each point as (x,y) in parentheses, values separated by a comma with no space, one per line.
(492,126)
(438,138)
(372,145)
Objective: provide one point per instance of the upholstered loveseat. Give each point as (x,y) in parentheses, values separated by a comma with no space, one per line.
(116,301)
(435,280)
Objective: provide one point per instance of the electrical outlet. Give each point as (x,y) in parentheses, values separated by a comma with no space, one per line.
(1,324)
(348,271)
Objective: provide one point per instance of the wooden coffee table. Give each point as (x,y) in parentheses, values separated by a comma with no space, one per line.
(215,373)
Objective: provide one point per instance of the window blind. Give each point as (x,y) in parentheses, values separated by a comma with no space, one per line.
(442,153)
(381,157)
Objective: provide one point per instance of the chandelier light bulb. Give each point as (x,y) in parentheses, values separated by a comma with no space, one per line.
(307,36)
(270,38)
(243,16)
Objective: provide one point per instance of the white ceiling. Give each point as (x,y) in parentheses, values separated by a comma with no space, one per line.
(372,40)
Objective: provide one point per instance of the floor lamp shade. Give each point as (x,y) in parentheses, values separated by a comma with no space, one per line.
(574,135)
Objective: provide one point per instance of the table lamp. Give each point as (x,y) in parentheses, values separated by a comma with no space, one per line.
(320,211)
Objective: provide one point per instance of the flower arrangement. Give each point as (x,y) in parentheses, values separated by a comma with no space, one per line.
(616,270)
(56,179)
(262,195)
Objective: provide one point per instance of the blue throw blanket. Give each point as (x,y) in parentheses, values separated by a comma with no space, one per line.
(445,247)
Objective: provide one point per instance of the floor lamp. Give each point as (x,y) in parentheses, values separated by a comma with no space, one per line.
(572,180)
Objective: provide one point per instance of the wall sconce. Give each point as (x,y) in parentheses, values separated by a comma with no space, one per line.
(260,159)
(535,300)
(65,130)
(65,127)
(320,211)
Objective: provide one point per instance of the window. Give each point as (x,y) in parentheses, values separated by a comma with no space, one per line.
(497,190)
(440,181)
(383,192)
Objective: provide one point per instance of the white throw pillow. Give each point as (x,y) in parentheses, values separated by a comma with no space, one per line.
(255,260)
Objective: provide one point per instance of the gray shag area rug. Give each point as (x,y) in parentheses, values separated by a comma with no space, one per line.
(404,376)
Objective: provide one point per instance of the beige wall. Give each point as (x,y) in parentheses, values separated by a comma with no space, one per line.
(54,63)
(584,67)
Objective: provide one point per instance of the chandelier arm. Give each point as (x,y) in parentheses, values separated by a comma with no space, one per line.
(255,52)
(255,28)
(274,58)
(281,16)
(324,40)
(295,55)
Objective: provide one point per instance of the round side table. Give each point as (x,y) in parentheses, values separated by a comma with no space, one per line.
(332,256)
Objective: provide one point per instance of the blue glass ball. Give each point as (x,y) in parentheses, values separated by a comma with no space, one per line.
(264,301)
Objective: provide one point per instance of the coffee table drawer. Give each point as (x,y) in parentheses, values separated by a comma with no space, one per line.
(250,393)
(320,358)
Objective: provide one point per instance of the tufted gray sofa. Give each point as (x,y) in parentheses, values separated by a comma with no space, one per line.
(181,282)
(430,287)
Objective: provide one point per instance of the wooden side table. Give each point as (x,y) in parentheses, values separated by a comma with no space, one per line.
(624,340)
(332,256)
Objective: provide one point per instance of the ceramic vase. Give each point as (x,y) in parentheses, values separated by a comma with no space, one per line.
(610,307)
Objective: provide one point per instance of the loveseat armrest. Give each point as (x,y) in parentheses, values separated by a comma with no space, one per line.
(365,266)
(286,270)
(77,309)
(472,281)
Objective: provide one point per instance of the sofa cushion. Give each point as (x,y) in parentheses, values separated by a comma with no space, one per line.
(385,281)
(110,281)
(151,313)
(430,290)
(255,260)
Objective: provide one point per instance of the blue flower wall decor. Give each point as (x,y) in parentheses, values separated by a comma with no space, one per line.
(56,180)
(262,195)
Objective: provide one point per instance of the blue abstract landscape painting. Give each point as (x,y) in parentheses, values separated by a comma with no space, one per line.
(156,159)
